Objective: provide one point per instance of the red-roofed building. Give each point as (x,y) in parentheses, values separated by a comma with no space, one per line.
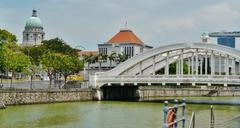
(82,53)
(124,42)
(125,36)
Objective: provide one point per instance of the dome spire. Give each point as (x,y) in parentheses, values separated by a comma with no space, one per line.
(34,13)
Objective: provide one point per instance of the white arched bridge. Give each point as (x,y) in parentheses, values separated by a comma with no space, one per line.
(183,63)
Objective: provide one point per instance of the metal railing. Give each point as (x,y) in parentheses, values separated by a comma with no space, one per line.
(234,79)
(176,120)
(212,118)
(192,121)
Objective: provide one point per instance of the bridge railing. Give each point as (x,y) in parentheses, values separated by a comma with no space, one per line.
(174,123)
(170,78)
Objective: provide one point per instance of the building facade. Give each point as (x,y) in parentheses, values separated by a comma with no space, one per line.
(226,38)
(33,33)
(125,42)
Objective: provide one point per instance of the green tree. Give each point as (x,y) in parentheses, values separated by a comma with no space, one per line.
(58,45)
(32,70)
(122,57)
(2,60)
(6,36)
(100,59)
(69,65)
(112,57)
(50,64)
(88,59)
(34,52)
(15,62)
(172,69)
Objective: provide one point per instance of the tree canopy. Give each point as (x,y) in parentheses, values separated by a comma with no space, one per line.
(58,45)
(6,36)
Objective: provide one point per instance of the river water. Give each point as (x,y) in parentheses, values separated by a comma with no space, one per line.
(110,114)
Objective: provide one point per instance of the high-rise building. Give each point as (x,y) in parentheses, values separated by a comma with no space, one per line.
(33,33)
(226,41)
(226,38)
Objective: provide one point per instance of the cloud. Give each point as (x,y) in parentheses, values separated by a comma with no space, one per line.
(156,22)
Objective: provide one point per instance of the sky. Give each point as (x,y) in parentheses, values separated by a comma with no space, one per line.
(87,23)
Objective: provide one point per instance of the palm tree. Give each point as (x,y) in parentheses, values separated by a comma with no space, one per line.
(101,58)
(112,57)
(122,57)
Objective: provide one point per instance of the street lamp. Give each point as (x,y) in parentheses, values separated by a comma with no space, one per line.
(84,69)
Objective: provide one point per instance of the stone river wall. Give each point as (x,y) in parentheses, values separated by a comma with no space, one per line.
(32,97)
(184,92)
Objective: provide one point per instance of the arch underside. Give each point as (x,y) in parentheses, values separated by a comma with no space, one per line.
(201,58)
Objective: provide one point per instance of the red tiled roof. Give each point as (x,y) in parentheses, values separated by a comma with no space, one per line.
(125,36)
(87,53)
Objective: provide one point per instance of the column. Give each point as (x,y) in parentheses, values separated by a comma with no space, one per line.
(140,68)
(167,65)
(177,66)
(201,65)
(238,67)
(154,66)
(192,63)
(206,64)
(196,62)
(220,65)
(188,66)
(233,66)
(212,64)
(227,65)
(182,64)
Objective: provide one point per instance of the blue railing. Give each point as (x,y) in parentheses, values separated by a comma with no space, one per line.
(173,112)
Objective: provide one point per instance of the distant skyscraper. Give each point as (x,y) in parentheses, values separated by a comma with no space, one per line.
(33,33)
(226,38)
(227,41)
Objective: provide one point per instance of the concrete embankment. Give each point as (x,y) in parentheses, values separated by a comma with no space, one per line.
(37,96)
(150,93)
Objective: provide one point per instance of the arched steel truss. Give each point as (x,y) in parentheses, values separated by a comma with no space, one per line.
(207,63)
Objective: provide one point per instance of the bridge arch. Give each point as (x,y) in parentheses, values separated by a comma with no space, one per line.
(202,59)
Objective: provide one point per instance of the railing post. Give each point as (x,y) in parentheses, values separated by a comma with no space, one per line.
(176,109)
(212,118)
(165,112)
(183,112)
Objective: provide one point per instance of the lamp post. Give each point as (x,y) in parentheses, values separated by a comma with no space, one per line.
(84,69)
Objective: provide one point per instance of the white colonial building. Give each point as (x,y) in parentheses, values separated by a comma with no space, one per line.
(33,33)
(125,42)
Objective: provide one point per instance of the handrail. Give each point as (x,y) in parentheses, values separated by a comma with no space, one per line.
(176,120)
(192,121)
(212,119)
